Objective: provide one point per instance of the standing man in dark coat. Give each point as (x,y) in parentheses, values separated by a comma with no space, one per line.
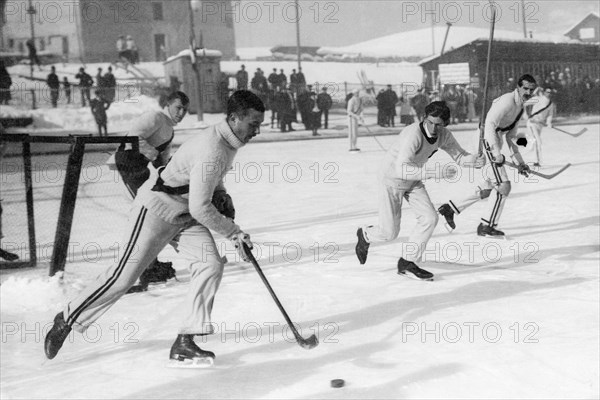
(242,78)
(110,86)
(85,83)
(305,105)
(324,103)
(54,85)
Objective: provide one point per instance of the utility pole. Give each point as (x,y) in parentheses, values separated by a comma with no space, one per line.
(432,29)
(195,65)
(523,16)
(445,37)
(298,34)
(31,12)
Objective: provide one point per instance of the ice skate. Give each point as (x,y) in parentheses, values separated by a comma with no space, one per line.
(489,231)
(362,246)
(411,270)
(186,354)
(56,336)
(446,211)
(157,272)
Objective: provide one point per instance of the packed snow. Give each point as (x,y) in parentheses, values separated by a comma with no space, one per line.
(503,319)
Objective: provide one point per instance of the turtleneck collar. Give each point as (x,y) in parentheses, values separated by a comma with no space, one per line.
(224,130)
(425,132)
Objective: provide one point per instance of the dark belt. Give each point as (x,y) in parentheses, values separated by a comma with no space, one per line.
(160,186)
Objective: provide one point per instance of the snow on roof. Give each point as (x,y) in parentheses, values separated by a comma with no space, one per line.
(593,14)
(253,53)
(199,53)
(417,43)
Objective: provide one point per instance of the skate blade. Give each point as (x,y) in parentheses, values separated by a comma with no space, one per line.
(448,228)
(504,238)
(414,277)
(194,363)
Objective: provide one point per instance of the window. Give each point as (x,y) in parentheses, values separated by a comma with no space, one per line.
(157,11)
(587,33)
(11,43)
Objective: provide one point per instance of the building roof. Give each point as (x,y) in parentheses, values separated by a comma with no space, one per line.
(418,43)
(571,29)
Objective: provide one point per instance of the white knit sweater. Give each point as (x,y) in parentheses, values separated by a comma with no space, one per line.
(201,162)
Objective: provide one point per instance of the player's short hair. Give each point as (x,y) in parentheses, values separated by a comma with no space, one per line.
(185,100)
(241,101)
(438,109)
(527,78)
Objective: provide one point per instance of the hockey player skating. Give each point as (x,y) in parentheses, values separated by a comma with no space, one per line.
(501,120)
(176,206)
(403,172)
(155,131)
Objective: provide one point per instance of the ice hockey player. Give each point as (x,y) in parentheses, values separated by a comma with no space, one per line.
(403,173)
(177,206)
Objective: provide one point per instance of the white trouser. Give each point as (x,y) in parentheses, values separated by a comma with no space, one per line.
(390,214)
(146,236)
(494,178)
(536,131)
(352,131)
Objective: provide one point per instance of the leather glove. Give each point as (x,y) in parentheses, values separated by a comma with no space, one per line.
(238,239)
(224,204)
(524,169)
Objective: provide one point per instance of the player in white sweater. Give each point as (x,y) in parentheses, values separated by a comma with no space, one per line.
(176,207)
(402,178)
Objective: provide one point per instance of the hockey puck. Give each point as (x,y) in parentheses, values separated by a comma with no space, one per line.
(337,383)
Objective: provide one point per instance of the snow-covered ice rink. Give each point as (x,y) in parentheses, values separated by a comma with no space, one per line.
(503,319)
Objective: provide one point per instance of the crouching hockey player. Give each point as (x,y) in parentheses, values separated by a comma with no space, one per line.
(176,206)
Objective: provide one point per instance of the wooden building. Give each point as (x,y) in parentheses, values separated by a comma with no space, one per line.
(511,59)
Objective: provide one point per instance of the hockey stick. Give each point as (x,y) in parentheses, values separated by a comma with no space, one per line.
(487,80)
(540,174)
(309,343)
(375,137)
(581,132)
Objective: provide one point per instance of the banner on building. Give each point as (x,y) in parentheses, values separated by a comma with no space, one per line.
(455,74)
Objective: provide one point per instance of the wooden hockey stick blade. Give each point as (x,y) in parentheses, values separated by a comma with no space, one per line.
(581,132)
(540,174)
(309,343)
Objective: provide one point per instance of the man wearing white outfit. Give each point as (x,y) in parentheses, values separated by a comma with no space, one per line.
(501,122)
(542,112)
(176,206)
(354,110)
(402,176)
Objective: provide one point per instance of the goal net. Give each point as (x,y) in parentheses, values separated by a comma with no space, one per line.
(60,201)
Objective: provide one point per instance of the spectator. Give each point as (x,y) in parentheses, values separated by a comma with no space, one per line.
(132,49)
(301,80)
(5,83)
(122,49)
(282,79)
(391,98)
(419,102)
(294,84)
(242,78)
(33,57)
(315,113)
(407,113)
(99,107)
(324,103)
(110,86)
(85,83)
(54,85)
(67,88)
(273,79)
